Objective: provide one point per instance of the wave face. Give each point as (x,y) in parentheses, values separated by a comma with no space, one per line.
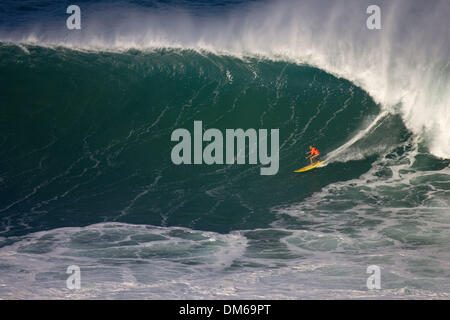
(99,147)
(86,176)
(406,63)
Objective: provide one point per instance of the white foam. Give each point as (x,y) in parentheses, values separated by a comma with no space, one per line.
(337,154)
(114,258)
(404,63)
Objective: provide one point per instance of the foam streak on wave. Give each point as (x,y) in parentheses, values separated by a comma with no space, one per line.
(334,155)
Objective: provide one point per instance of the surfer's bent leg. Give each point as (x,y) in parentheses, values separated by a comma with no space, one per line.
(315,158)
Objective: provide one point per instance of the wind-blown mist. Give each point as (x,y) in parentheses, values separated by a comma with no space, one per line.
(405,64)
(86,176)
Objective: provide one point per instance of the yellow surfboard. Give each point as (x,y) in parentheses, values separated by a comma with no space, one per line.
(310,167)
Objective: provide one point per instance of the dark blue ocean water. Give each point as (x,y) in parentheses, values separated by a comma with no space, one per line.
(86,176)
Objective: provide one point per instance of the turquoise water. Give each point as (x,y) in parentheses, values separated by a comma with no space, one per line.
(99,147)
(86,177)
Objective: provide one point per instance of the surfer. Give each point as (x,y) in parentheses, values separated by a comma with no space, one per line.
(313,154)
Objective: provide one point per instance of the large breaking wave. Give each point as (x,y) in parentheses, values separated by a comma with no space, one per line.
(86,176)
(406,64)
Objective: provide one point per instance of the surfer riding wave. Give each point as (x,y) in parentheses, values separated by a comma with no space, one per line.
(313,154)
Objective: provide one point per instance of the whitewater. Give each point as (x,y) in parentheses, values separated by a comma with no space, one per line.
(406,63)
(85,171)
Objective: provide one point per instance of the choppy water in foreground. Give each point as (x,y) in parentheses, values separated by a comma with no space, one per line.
(86,176)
